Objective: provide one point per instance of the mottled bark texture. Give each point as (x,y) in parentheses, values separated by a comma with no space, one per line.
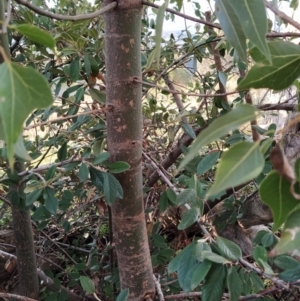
(124,138)
(26,260)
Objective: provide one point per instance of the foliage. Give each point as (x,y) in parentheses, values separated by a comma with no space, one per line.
(55,83)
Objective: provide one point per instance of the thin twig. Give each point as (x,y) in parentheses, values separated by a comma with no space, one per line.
(282,15)
(62,118)
(7,19)
(183,93)
(49,14)
(159,292)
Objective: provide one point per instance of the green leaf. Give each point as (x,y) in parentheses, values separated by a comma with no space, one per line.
(232,27)
(50,172)
(101,158)
(290,275)
(260,252)
(19,148)
(275,192)
(207,163)
(158,30)
(163,202)
(83,172)
(290,236)
(186,196)
(213,257)
(185,270)
(199,273)
(253,19)
(63,152)
(171,195)
(36,35)
(21,91)
(222,77)
(123,296)
(87,64)
(234,284)
(119,167)
(189,130)
(33,196)
(87,284)
(278,75)
(98,96)
(214,283)
(256,281)
(229,248)
(75,69)
(189,217)
(286,262)
(51,202)
(112,188)
(241,163)
(174,263)
(241,114)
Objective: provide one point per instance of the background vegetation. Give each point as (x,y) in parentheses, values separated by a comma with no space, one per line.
(133,163)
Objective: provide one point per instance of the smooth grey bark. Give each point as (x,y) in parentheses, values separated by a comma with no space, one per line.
(124,138)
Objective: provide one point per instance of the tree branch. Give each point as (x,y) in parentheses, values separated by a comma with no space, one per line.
(49,14)
(282,15)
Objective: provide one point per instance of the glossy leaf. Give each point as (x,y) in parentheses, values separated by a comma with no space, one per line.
(189,217)
(189,130)
(83,172)
(213,257)
(232,27)
(278,75)
(36,35)
(158,30)
(241,163)
(87,284)
(118,167)
(241,114)
(174,263)
(290,236)
(21,91)
(214,283)
(112,188)
(101,158)
(199,273)
(228,248)
(123,296)
(63,152)
(185,270)
(33,196)
(275,192)
(253,19)
(51,202)
(186,196)
(234,284)
(207,162)
(256,281)
(75,69)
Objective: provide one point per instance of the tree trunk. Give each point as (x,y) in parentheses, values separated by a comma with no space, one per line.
(124,138)
(28,278)
(26,260)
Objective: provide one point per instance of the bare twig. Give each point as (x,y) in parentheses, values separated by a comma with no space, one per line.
(217,57)
(175,12)
(183,93)
(62,118)
(248,97)
(282,15)
(159,292)
(7,19)
(18,297)
(49,14)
